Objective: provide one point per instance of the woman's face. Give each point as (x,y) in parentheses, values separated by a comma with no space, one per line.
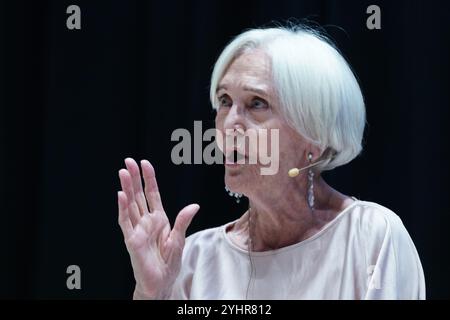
(248,102)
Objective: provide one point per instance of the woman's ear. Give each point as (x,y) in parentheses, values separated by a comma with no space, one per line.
(328,153)
(315,151)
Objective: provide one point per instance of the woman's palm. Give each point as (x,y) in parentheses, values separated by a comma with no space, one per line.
(155,250)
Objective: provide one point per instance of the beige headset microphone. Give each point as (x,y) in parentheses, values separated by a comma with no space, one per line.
(296,171)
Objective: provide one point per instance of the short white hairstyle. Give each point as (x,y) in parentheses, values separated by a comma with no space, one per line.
(316,88)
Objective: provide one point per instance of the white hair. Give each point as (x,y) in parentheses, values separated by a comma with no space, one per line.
(317,90)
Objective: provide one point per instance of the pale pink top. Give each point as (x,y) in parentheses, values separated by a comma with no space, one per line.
(364,253)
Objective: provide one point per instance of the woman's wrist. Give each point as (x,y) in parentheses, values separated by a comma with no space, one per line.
(138,294)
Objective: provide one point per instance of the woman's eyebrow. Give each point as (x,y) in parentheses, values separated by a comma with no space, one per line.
(245,88)
(220,87)
(256,90)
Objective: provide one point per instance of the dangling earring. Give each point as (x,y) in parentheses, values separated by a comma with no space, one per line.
(310,185)
(237,196)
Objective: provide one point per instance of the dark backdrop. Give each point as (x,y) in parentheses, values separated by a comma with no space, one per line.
(74,104)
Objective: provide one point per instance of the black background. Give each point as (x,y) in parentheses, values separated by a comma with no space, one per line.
(75,103)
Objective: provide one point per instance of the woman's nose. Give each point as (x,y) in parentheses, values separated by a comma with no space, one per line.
(234,119)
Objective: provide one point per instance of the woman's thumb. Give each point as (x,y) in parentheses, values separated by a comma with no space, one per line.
(184,218)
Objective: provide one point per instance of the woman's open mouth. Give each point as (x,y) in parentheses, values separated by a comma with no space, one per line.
(235,158)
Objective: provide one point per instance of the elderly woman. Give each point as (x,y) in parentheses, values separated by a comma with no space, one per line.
(300,238)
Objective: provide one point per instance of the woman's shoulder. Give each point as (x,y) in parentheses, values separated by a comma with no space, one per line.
(365,219)
(393,259)
(379,223)
(374,215)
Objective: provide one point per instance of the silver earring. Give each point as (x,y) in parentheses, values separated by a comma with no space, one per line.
(310,185)
(237,196)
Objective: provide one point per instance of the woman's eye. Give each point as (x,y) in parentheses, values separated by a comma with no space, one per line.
(258,104)
(225,101)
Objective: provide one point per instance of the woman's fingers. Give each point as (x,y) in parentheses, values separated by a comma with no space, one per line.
(184,219)
(175,243)
(127,187)
(139,196)
(124,218)
(126,184)
(151,186)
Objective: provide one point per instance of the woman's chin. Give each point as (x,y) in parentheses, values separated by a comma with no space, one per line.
(234,179)
(235,172)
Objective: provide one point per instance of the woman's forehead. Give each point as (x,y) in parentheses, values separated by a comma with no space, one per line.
(251,70)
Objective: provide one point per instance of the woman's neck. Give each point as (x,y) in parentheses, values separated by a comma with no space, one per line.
(281,219)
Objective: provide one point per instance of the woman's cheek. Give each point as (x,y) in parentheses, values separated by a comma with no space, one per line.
(220,139)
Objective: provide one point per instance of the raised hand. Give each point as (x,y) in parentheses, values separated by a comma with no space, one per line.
(155,249)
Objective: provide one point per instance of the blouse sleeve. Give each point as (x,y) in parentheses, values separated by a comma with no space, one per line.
(397,273)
